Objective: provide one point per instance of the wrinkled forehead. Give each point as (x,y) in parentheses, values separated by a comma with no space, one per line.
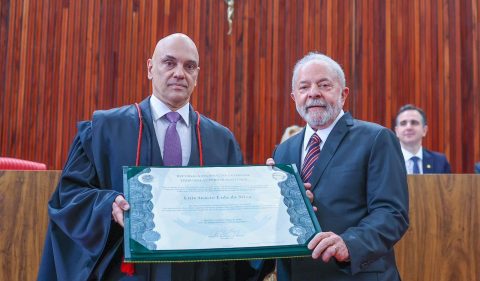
(317,70)
(178,47)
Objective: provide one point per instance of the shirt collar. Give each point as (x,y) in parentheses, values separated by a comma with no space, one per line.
(407,154)
(159,109)
(322,133)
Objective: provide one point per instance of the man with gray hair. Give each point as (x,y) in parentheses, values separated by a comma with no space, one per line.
(355,175)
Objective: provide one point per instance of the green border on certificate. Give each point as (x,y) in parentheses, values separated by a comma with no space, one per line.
(185,214)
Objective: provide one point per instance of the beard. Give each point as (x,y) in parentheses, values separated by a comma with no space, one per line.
(319,119)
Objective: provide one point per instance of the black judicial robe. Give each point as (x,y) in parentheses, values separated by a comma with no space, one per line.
(83,242)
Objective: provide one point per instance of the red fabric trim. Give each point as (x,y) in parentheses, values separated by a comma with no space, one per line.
(127,268)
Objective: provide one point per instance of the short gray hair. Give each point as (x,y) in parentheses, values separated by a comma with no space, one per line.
(314,56)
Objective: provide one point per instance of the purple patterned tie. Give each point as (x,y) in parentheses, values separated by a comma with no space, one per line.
(172,150)
(313,152)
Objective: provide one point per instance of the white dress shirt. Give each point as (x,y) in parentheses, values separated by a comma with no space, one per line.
(322,133)
(407,155)
(160,123)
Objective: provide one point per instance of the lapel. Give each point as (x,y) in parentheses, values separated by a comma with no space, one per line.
(336,136)
(194,154)
(427,161)
(295,154)
(150,150)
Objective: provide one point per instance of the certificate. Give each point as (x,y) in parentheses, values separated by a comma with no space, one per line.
(216,213)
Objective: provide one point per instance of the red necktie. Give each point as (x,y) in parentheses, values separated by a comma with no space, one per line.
(313,152)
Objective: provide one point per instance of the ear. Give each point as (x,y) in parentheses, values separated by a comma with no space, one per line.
(292,95)
(149,69)
(397,131)
(196,77)
(425,129)
(345,93)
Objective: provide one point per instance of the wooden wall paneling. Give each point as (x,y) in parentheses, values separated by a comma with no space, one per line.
(21,74)
(221,98)
(441,243)
(102,59)
(267,66)
(50,92)
(141,54)
(23,206)
(368,49)
(34,62)
(276,95)
(8,136)
(144,51)
(468,34)
(89,63)
(458,109)
(4,14)
(61,131)
(417,63)
(133,60)
(129,59)
(455,64)
(29,103)
(429,53)
(440,72)
(443,239)
(39,79)
(61,60)
(68,46)
(476,77)
(241,89)
(233,51)
(379,98)
(284,74)
(357,73)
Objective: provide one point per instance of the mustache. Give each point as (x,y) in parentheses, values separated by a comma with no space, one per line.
(316,103)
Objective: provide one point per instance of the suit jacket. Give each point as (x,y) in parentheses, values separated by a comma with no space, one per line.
(360,189)
(435,163)
(83,243)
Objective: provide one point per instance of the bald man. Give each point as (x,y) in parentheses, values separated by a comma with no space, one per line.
(84,238)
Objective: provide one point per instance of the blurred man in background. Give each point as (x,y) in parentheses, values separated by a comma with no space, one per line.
(411,127)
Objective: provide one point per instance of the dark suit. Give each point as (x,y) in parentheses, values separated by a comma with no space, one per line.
(360,188)
(435,163)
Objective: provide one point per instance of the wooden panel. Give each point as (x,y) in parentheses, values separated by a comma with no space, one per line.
(23,207)
(60,60)
(443,241)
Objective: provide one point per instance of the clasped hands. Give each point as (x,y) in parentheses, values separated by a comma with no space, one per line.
(324,245)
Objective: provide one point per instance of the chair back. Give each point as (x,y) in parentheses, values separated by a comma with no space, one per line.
(7,163)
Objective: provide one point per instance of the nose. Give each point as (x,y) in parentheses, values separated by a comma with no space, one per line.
(314,92)
(409,125)
(178,72)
